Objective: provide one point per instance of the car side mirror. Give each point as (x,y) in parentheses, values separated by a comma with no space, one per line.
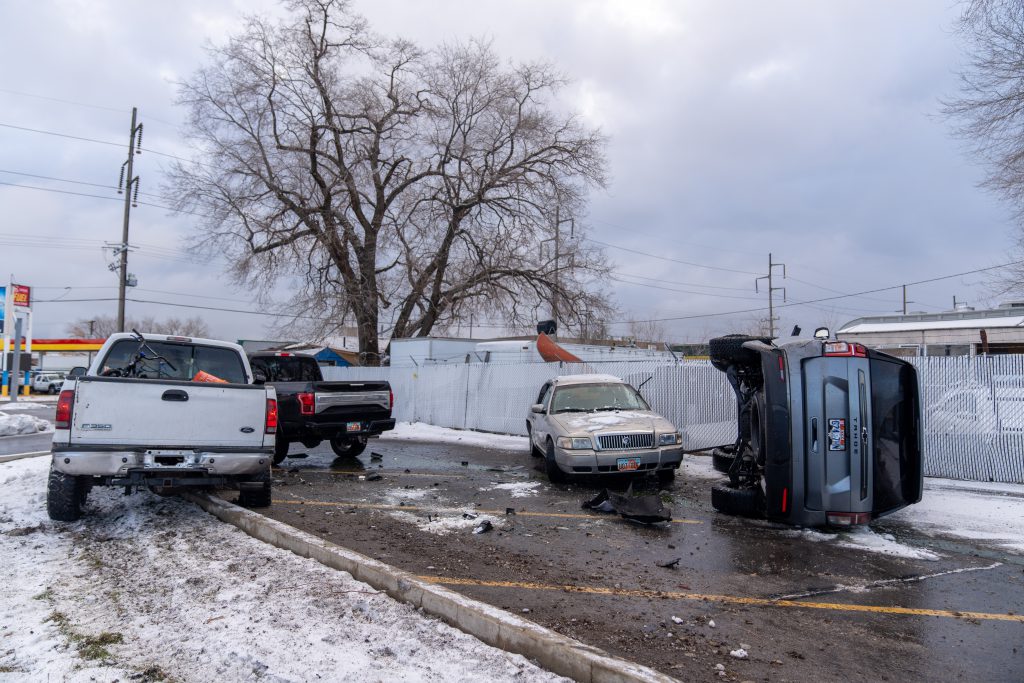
(822,333)
(76,372)
(258,377)
(537,408)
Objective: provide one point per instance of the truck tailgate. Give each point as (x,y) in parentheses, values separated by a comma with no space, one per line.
(172,414)
(339,395)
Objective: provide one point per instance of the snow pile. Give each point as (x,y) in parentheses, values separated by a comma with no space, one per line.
(177,594)
(11,425)
(419,431)
(518,489)
(446,522)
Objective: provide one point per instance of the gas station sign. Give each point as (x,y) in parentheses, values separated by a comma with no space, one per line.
(21,295)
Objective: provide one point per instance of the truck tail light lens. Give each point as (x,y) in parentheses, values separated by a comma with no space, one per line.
(391,399)
(847,518)
(271,421)
(845,349)
(307,403)
(65,407)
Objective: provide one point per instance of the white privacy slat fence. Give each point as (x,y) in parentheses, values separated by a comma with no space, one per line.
(973,408)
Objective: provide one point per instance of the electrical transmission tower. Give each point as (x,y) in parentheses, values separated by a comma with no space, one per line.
(130,199)
(771,291)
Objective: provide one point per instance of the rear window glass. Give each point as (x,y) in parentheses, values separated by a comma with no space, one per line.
(894,428)
(164,360)
(287,368)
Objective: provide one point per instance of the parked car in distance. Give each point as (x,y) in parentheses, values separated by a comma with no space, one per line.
(47,382)
(166,413)
(829,432)
(599,424)
(976,409)
(312,411)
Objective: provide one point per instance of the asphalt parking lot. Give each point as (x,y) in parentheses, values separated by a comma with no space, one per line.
(806,607)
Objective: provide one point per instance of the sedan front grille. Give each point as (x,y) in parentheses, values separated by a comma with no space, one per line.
(625,442)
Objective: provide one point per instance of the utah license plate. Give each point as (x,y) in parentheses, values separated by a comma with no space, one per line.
(355,426)
(628,464)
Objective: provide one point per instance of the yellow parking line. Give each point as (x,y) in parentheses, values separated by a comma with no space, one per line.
(407,508)
(730,599)
(389,472)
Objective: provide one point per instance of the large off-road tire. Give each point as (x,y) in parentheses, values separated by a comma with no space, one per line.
(347,448)
(742,502)
(64,496)
(722,458)
(280,450)
(728,350)
(555,474)
(255,492)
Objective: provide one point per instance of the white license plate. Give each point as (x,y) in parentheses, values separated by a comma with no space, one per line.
(355,426)
(628,464)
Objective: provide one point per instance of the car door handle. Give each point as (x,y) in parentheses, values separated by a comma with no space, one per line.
(814,434)
(174,395)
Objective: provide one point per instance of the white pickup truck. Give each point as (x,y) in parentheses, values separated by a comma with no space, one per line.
(167,413)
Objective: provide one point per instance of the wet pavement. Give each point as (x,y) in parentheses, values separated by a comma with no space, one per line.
(808,608)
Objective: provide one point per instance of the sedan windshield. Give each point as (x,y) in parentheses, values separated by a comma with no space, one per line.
(587,398)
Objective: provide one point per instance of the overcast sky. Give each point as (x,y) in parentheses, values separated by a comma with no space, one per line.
(809,130)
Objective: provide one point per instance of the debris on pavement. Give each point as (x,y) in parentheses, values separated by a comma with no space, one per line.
(676,620)
(738,654)
(645,509)
(671,564)
(374,476)
(376,456)
(483,527)
(469,515)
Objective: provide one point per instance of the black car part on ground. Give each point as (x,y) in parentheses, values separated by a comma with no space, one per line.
(646,509)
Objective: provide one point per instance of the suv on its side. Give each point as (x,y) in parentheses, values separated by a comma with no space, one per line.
(829,431)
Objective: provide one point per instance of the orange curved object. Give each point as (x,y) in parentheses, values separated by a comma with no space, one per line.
(203,376)
(552,352)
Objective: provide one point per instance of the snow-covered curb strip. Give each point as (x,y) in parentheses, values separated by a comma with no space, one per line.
(420,431)
(555,652)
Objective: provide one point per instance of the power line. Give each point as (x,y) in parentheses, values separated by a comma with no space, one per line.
(666,258)
(684,291)
(77,104)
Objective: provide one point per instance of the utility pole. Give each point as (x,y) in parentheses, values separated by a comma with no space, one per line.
(904,299)
(134,147)
(557,239)
(771,291)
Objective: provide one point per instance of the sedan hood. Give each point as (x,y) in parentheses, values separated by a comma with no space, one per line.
(613,421)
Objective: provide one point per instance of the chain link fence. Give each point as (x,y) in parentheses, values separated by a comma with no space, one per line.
(973,408)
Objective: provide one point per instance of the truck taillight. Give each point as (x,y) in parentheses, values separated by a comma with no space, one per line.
(391,399)
(845,349)
(65,406)
(271,421)
(307,403)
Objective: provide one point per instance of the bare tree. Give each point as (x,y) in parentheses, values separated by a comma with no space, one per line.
(102,326)
(646,330)
(990,109)
(406,188)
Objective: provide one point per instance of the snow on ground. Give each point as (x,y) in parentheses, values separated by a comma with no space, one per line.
(149,584)
(11,425)
(863,538)
(418,431)
(445,522)
(26,404)
(699,467)
(517,489)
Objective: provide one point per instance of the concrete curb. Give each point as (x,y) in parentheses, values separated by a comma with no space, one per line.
(557,653)
(20,456)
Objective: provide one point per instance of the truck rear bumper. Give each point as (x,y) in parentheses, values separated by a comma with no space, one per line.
(111,463)
(297,431)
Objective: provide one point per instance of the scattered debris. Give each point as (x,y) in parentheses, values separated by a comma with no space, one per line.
(676,620)
(483,527)
(645,509)
(510,511)
(469,515)
(376,456)
(407,470)
(526,610)
(719,667)
(375,476)
(465,463)
(738,654)
(711,623)
(671,564)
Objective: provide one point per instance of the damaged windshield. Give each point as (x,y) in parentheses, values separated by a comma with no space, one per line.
(588,398)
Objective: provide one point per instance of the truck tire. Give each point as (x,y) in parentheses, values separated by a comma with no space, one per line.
(280,450)
(722,458)
(347,448)
(256,491)
(52,389)
(728,350)
(554,472)
(742,502)
(64,496)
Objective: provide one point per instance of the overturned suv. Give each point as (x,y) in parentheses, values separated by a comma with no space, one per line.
(829,432)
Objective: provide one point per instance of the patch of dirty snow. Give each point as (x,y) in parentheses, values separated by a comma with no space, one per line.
(443,524)
(11,425)
(141,567)
(418,431)
(394,496)
(863,538)
(592,422)
(519,489)
(699,467)
(22,404)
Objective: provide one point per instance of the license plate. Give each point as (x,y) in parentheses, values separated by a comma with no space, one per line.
(355,426)
(837,434)
(628,464)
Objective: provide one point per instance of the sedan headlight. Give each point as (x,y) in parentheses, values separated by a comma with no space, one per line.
(574,443)
(673,439)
